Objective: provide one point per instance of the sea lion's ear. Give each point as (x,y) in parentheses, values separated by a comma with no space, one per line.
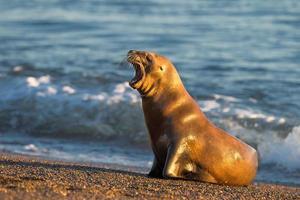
(161,68)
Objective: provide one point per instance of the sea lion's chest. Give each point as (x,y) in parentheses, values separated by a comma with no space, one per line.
(159,139)
(156,125)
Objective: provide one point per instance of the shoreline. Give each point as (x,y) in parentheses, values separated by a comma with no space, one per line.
(31,177)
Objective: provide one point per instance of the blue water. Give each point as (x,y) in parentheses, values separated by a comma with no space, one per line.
(64,93)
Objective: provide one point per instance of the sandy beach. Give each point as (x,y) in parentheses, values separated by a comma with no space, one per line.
(28,177)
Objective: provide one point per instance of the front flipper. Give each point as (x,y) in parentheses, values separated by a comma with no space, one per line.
(156,171)
(175,162)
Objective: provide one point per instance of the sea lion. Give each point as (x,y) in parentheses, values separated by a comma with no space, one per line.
(185,143)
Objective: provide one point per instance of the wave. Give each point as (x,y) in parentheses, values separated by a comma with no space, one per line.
(39,107)
(46,107)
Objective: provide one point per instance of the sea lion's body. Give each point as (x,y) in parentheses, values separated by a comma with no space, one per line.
(184,142)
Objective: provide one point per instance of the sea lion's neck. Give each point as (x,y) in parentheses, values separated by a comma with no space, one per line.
(168,96)
(165,95)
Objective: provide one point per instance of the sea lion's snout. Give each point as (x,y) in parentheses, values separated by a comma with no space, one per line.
(131,52)
(136,54)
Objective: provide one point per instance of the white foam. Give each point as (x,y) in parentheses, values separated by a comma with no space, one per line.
(115,99)
(226,110)
(18,68)
(226,98)
(31,147)
(281,121)
(51,90)
(44,79)
(100,97)
(250,114)
(253,100)
(209,105)
(36,82)
(121,92)
(241,113)
(68,89)
(285,152)
(120,88)
(134,97)
(270,119)
(32,82)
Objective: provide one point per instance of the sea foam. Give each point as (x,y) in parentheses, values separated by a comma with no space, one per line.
(284,152)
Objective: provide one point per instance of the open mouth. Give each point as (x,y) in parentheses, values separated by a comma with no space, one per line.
(138,76)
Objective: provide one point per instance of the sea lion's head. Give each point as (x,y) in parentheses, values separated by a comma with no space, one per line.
(152,72)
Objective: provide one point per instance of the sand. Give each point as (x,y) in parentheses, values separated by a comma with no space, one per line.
(28,177)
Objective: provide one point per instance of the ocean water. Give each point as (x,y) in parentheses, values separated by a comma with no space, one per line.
(64,93)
